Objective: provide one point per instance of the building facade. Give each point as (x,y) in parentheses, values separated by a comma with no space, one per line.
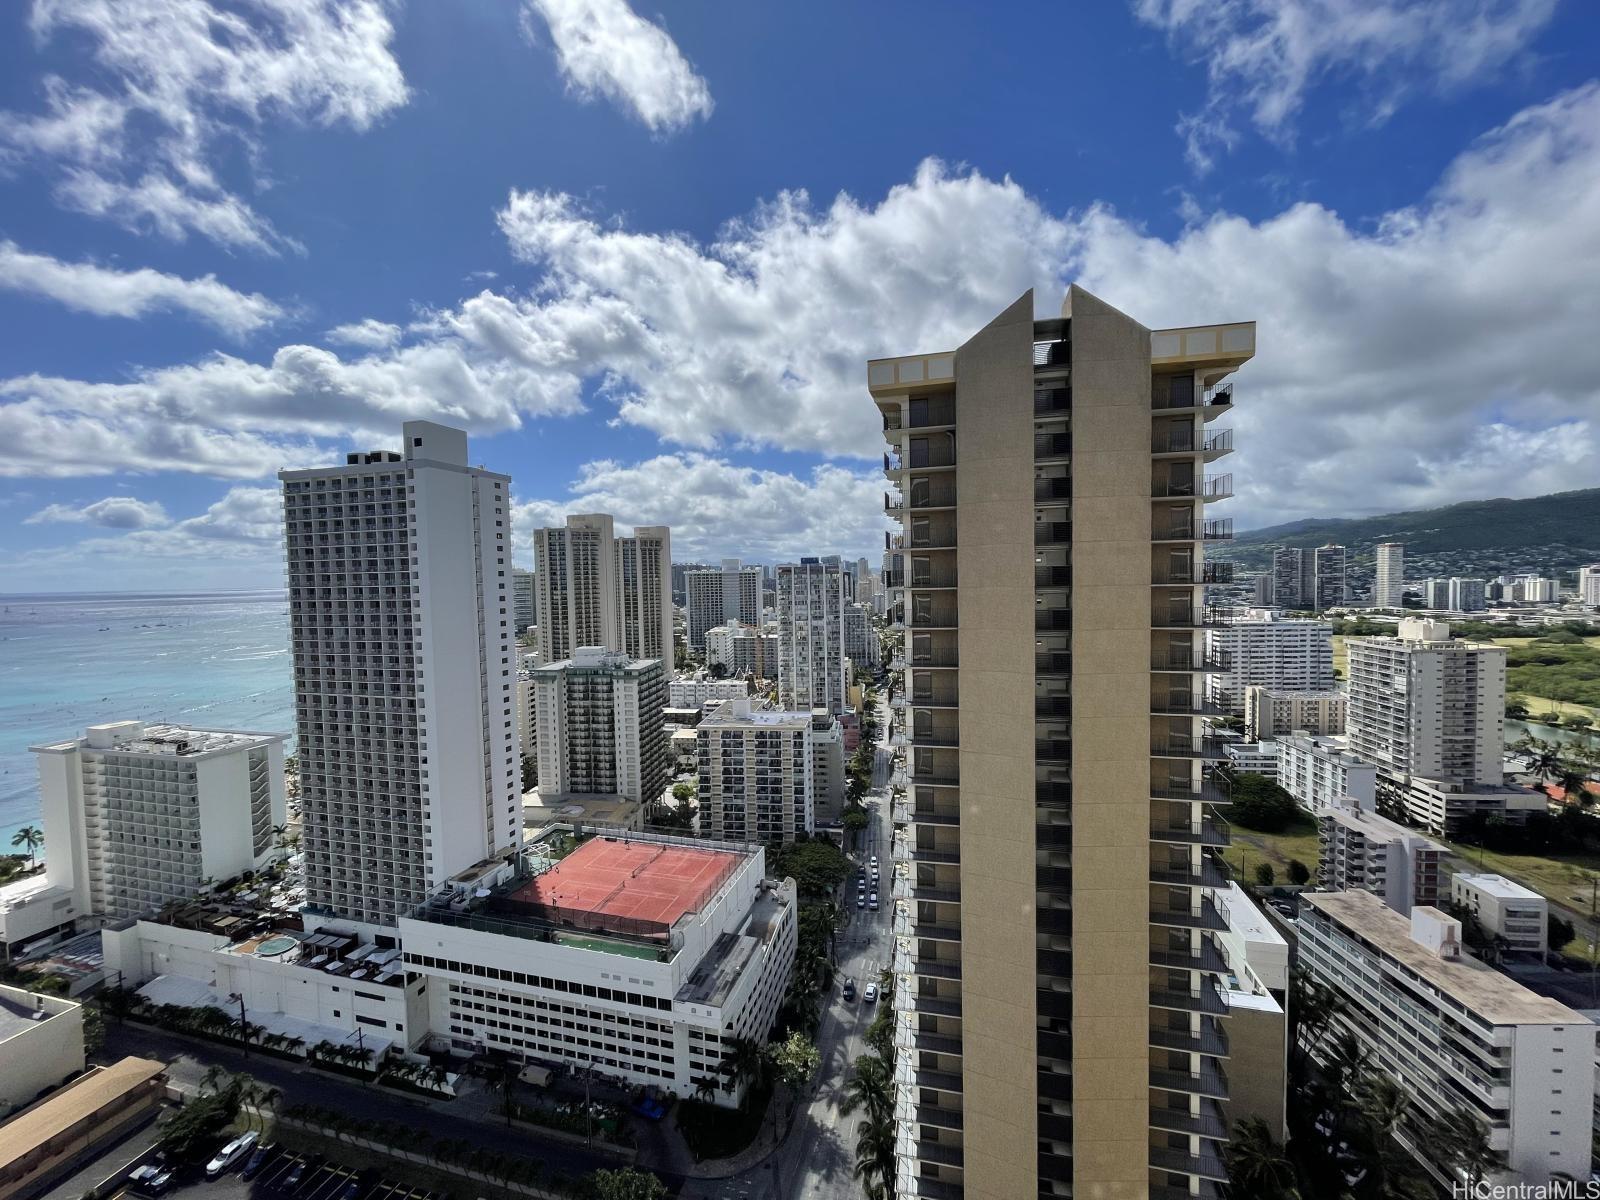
(1293,578)
(1320,772)
(524,599)
(1061,1029)
(811,656)
(138,815)
(715,596)
(41,1044)
(598,723)
(1270,712)
(1424,704)
(1329,566)
(399,570)
(860,637)
(1504,909)
(602,590)
(1389,583)
(1466,595)
(1589,586)
(1262,646)
(701,690)
(639,957)
(743,650)
(1360,851)
(1455,1033)
(757,776)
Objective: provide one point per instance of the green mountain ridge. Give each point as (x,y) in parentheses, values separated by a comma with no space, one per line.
(1563,527)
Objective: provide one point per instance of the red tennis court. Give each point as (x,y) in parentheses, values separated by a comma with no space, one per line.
(643,887)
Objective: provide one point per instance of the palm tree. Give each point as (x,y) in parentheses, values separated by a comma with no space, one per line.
(1463,1142)
(874,1164)
(30,838)
(746,1063)
(869,1088)
(705,1089)
(1257,1165)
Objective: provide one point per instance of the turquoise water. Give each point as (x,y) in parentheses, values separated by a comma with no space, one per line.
(68,661)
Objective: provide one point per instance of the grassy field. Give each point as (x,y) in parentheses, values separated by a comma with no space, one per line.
(1542,704)
(1341,658)
(1250,848)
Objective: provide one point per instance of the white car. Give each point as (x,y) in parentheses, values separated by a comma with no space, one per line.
(233,1152)
(874,863)
(871,994)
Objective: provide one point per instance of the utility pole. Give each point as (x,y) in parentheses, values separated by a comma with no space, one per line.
(244,1028)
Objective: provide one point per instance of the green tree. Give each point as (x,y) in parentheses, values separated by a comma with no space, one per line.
(94,1031)
(1257,1165)
(627,1183)
(530,772)
(30,839)
(1299,873)
(870,1089)
(795,1061)
(854,821)
(190,1134)
(817,866)
(874,1164)
(1462,1142)
(1559,929)
(1265,875)
(746,1064)
(1259,803)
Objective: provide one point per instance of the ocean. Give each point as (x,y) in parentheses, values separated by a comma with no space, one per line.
(71,660)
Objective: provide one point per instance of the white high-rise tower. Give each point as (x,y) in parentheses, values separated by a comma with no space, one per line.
(1389,589)
(811,671)
(401,627)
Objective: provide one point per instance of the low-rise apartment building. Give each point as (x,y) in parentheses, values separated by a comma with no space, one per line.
(1504,910)
(41,1045)
(640,957)
(701,690)
(1270,712)
(1359,850)
(1320,772)
(1255,758)
(1455,1033)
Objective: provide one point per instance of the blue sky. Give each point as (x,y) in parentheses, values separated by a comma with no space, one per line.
(641,253)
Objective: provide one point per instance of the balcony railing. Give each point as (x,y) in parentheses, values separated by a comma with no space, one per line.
(1052,445)
(1046,576)
(1058,488)
(1056,353)
(1046,619)
(1052,533)
(1188,660)
(1052,400)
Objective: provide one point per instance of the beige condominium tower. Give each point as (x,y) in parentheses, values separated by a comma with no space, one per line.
(1058,1019)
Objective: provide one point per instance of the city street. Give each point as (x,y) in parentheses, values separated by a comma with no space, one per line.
(815,1160)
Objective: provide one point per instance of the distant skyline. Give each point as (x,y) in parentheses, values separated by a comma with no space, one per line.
(643,255)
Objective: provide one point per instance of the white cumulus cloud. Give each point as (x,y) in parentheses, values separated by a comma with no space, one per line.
(605,49)
(1263,57)
(114,512)
(174,78)
(107,292)
(369,334)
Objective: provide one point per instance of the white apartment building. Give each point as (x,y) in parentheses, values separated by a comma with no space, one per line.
(1454,1032)
(701,690)
(1270,712)
(860,637)
(136,815)
(811,658)
(1389,590)
(1254,758)
(640,957)
(597,589)
(1466,595)
(1441,805)
(743,649)
(524,599)
(828,780)
(717,596)
(399,568)
(1504,909)
(1589,586)
(597,719)
(1436,594)
(527,727)
(41,1045)
(1255,989)
(644,594)
(757,775)
(1320,772)
(1533,589)
(1360,851)
(1262,646)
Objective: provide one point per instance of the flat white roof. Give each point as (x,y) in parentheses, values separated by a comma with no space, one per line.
(1499,886)
(1245,919)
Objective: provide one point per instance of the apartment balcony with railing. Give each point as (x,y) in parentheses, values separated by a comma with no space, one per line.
(1051,483)
(1053,400)
(1052,443)
(934,727)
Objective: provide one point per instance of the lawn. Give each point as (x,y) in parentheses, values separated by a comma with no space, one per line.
(1250,847)
(1538,705)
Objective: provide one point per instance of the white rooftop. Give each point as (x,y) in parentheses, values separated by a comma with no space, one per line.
(1498,886)
(136,737)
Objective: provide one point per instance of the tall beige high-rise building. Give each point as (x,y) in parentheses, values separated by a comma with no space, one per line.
(1058,1018)
(596,589)
(1389,584)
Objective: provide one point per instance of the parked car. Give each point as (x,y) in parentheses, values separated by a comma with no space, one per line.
(849,989)
(152,1179)
(861,901)
(258,1159)
(874,863)
(871,994)
(230,1154)
(297,1173)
